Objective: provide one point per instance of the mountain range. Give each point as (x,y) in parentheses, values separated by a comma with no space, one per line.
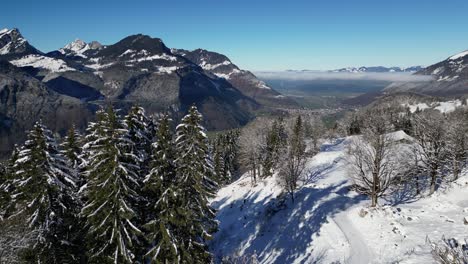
(378,69)
(138,69)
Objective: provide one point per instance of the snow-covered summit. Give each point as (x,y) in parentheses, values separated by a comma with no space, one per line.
(459,55)
(78,47)
(13,43)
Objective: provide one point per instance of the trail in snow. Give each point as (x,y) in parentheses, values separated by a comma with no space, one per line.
(359,251)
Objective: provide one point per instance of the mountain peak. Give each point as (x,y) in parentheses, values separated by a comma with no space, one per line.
(13,43)
(76,45)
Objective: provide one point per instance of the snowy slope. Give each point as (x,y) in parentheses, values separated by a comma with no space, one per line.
(324,224)
(42,62)
(443,107)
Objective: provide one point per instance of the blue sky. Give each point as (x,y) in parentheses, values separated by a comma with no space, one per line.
(260,35)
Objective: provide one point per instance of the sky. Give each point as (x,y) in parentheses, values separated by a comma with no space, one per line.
(260,35)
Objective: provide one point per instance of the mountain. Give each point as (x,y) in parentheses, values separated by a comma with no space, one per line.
(24,100)
(14,45)
(379,69)
(220,66)
(449,77)
(77,48)
(140,69)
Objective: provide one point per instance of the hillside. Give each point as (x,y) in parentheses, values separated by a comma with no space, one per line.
(324,224)
(450,77)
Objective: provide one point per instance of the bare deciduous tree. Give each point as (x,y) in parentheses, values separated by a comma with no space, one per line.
(373,159)
(252,141)
(457,141)
(449,251)
(294,160)
(429,131)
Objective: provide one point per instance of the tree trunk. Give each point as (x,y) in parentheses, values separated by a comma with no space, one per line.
(456,170)
(418,190)
(374,200)
(374,190)
(433,181)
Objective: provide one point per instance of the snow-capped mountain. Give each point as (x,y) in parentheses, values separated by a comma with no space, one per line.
(378,69)
(450,78)
(14,45)
(140,70)
(453,68)
(79,47)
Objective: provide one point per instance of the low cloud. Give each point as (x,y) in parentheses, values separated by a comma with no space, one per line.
(320,75)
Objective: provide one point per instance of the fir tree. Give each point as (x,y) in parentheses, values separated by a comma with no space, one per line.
(194,172)
(165,211)
(111,193)
(71,147)
(43,198)
(6,187)
(140,131)
(275,142)
(222,173)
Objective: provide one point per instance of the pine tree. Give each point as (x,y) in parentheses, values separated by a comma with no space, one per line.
(275,142)
(43,198)
(140,132)
(194,172)
(71,147)
(6,187)
(165,211)
(111,193)
(220,166)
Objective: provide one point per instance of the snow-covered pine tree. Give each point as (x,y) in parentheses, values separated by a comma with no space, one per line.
(218,148)
(140,131)
(43,199)
(195,186)
(71,147)
(6,187)
(110,193)
(165,212)
(231,154)
(275,142)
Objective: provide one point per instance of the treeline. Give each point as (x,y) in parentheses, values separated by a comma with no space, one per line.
(128,191)
(436,151)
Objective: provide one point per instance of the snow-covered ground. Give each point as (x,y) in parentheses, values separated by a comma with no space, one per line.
(443,107)
(324,224)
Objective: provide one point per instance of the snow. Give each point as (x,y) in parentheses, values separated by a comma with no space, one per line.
(77,47)
(324,222)
(155,57)
(167,70)
(443,107)
(43,62)
(207,66)
(3,31)
(459,55)
(5,49)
